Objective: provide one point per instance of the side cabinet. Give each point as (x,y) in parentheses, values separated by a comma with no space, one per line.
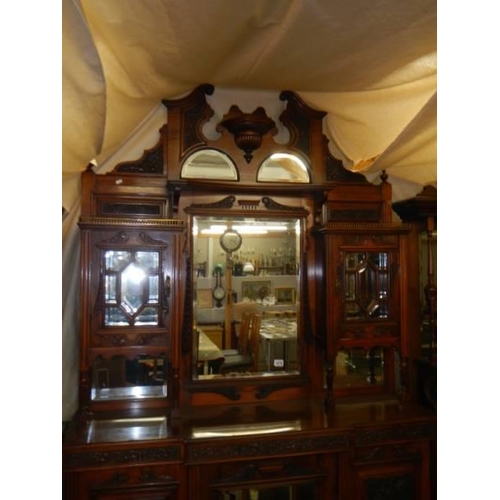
(130,293)
(389,463)
(365,303)
(128,472)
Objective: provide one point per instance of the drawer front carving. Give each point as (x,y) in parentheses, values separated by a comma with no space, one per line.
(381,454)
(266,447)
(126,456)
(396,433)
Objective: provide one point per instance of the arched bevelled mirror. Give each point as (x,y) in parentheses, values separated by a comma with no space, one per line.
(209,164)
(284,167)
(246,276)
(216,165)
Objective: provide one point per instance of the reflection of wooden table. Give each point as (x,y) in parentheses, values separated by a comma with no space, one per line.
(207,350)
(274,331)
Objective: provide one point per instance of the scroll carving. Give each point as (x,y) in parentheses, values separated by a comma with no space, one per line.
(121,340)
(150,163)
(336,172)
(270,204)
(122,238)
(227,202)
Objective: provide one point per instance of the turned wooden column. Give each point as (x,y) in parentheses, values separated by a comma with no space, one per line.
(431,293)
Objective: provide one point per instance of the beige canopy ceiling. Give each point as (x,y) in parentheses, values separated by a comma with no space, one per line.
(371,65)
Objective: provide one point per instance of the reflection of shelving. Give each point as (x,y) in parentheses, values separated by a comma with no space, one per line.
(277,281)
(283,269)
(262,271)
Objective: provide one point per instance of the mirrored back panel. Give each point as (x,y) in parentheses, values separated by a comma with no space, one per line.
(121,378)
(246,282)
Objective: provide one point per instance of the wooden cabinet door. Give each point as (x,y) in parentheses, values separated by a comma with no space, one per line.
(390,482)
(388,472)
(136,483)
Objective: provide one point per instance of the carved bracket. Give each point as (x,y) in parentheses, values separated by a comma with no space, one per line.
(247,128)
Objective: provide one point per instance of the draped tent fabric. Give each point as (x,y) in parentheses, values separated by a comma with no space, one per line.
(83,100)
(370,65)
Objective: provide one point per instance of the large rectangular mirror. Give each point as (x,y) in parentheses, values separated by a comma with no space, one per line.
(246,277)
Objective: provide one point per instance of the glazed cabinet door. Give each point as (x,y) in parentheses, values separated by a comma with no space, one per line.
(130,276)
(364,302)
(128,317)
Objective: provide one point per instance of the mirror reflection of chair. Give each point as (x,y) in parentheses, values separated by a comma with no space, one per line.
(246,356)
(237,310)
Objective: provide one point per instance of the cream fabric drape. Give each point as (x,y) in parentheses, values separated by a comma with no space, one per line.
(371,66)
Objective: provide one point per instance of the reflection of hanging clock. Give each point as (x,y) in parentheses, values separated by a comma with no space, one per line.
(218,292)
(230,240)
